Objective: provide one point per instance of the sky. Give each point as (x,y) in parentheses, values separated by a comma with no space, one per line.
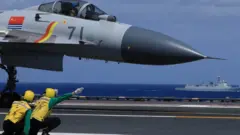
(209,26)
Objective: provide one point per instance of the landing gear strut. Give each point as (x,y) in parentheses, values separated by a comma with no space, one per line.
(7,96)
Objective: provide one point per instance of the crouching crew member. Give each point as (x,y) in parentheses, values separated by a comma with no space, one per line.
(40,117)
(17,121)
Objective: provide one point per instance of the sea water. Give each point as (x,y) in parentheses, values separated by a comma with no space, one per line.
(127,90)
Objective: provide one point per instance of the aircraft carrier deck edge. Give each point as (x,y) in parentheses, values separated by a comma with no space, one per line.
(221,108)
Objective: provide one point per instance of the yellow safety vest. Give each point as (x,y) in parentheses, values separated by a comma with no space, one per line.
(17,111)
(41,110)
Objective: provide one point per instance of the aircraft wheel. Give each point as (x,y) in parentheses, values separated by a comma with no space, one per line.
(7,99)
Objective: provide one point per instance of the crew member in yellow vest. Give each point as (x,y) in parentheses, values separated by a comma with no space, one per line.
(40,117)
(17,120)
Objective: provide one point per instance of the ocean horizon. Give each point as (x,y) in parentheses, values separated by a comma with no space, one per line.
(126,90)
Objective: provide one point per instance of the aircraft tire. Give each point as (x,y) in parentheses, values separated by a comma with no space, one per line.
(7,99)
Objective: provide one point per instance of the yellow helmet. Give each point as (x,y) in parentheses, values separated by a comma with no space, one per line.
(29,95)
(50,92)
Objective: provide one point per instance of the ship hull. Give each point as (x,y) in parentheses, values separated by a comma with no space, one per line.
(211,89)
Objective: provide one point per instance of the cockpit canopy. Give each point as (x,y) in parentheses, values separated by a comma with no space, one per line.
(76,8)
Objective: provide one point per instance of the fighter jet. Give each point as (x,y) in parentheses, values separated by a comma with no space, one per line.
(39,37)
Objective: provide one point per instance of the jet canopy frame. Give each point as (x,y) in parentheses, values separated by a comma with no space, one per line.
(73,8)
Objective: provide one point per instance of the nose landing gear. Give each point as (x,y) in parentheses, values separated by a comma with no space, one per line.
(7,96)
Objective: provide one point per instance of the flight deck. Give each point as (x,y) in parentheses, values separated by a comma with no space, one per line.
(125,122)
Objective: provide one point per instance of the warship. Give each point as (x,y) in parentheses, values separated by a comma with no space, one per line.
(218,86)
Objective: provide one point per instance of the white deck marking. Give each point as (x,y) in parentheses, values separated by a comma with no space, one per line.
(58,133)
(145,116)
(108,115)
(210,106)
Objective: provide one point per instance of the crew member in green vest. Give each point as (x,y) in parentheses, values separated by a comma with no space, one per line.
(18,118)
(40,117)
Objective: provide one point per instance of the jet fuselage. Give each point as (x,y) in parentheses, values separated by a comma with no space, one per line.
(104,40)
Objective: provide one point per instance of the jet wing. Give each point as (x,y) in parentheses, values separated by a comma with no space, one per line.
(18,49)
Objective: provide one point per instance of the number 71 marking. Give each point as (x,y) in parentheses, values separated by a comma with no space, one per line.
(73,28)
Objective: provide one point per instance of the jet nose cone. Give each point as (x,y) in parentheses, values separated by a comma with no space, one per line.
(178,50)
(148,47)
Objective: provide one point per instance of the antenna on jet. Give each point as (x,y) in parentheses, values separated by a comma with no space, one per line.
(37,15)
